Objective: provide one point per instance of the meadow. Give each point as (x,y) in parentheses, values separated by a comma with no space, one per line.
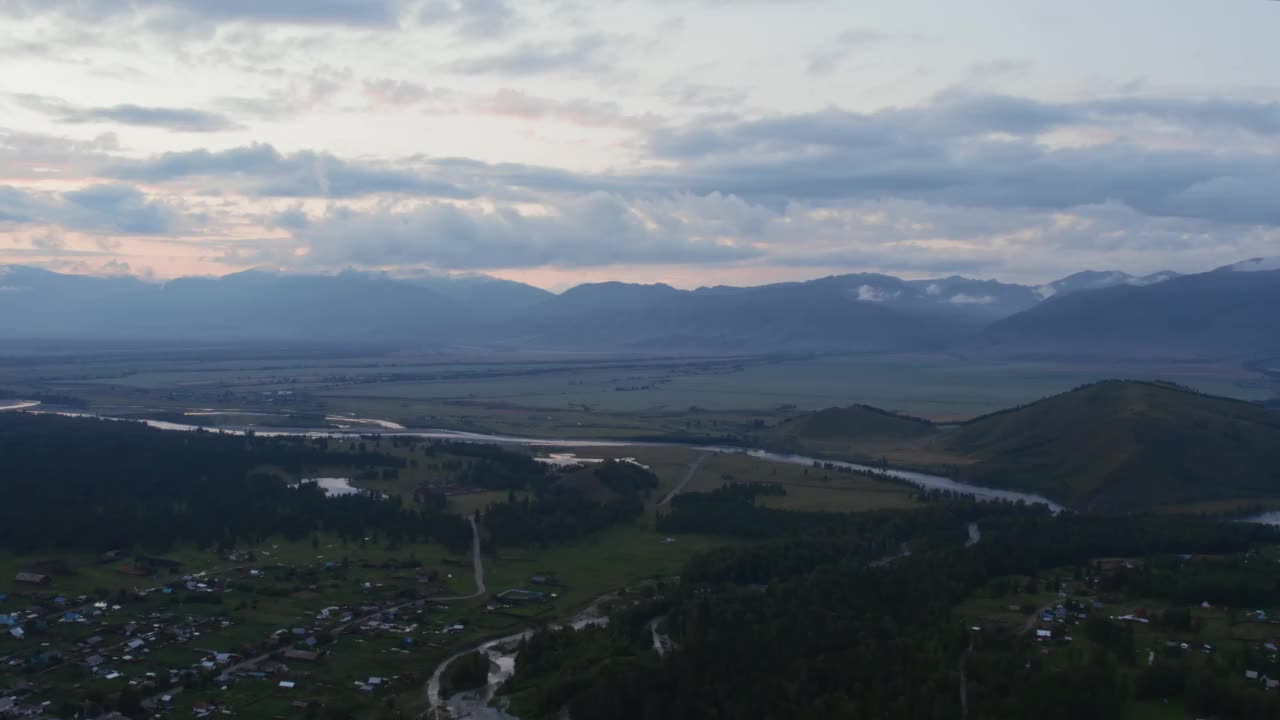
(582,396)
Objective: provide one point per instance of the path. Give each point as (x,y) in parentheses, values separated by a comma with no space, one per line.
(964,683)
(477,565)
(693,470)
(1035,616)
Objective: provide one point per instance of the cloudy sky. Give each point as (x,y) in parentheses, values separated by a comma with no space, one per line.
(687,141)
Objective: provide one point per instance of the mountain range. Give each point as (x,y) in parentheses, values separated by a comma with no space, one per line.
(1224,313)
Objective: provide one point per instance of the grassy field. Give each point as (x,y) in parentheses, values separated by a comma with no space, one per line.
(807,488)
(591,397)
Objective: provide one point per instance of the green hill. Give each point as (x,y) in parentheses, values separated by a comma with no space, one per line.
(860,429)
(1124,446)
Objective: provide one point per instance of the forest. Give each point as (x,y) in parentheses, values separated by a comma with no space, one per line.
(809,624)
(97,485)
(562,512)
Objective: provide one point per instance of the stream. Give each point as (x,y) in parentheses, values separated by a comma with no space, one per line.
(474,704)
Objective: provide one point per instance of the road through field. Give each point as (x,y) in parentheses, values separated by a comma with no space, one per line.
(477,565)
(693,470)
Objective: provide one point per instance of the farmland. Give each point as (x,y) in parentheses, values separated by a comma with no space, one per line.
(572,395)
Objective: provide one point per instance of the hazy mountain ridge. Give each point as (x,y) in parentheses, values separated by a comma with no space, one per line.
(1210,315)
(1087,314)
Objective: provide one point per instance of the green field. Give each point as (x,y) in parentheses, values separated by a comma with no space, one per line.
(587,396)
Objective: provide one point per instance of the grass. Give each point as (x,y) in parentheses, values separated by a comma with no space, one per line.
(807,488)
(1154,710)
(606,561)
(572,396)
(1124,446)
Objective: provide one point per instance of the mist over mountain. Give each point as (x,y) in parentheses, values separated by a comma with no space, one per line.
(1221,313)
(1098,280)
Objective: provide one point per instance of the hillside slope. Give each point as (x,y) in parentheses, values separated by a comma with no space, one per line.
(1211,315)
(1124,446)
(861,433)
(849,424)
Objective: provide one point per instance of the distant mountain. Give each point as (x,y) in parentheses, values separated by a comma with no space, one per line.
(1210,315)
(1097,280)
(488,296)
(1125,446)
(252,305)
(1088,314)
(858,313)
(1253,265)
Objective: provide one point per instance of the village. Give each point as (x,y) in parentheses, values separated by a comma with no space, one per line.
(1072,610)
(260,632)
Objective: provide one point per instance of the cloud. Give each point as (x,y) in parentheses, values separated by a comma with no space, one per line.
(474,19)
(579,111)
(389,92)
(866,293)
(963,299)
(97,208)
(302,12)
(176,119)
(980,151)
(596,229)
(834,53)
(690,94)
(293,219)
(589,54)
(262,170)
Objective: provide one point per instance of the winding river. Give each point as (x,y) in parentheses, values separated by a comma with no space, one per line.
(923,480)
(502,651)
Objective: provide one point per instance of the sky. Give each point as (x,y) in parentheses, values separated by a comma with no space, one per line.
(693,142)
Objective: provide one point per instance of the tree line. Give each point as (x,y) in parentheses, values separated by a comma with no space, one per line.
(96,485)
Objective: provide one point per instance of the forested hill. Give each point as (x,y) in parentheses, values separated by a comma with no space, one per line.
(857,429)
(1125,446)
(98,485)
(804,624)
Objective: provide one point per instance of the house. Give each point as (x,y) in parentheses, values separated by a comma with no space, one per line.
(303,655)
(18,633)
(1251,674)
(1044,634)
(8,620)
(287,684)
(32,578)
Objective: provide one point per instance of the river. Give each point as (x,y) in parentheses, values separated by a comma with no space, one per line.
(923,480)
(474,704)
(1270,518)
